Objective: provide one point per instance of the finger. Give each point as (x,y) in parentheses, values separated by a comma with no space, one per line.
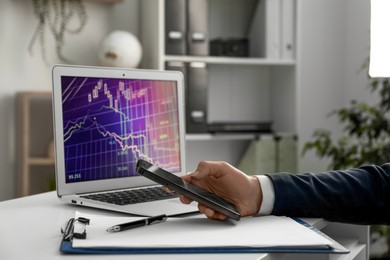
(185,200)
(209,168)
(210,213)
(168,190)
(187,177)
(215,215)
(202,171)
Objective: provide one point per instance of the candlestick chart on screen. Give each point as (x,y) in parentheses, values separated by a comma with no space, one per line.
(109,124)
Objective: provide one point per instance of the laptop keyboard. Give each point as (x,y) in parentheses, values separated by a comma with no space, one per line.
(127,197)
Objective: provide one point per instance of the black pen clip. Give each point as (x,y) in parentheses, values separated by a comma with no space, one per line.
(69,232)
(157,220)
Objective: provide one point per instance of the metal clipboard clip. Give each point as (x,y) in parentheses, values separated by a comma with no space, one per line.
(69,232)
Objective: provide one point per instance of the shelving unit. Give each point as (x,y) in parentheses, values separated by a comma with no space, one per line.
(34,146)
(258,84)
(210,137)
(231,61)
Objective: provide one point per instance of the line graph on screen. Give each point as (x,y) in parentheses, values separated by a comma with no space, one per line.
(111,123)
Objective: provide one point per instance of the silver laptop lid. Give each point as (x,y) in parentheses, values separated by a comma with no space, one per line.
(105,119)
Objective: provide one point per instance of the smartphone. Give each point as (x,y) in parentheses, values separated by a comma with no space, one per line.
(189,190)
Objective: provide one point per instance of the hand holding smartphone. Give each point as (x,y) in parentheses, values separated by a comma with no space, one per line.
(189,190)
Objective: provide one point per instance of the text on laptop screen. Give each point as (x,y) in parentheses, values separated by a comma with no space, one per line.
(111,123)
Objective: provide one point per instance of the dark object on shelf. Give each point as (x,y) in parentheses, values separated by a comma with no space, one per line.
(234,47)
(255,127)
(196,97)
(198,23)
(196,91)
(175,27)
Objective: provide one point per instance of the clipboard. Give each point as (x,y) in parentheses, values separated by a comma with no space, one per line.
(72,232)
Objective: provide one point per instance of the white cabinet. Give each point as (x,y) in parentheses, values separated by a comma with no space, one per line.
(240,89)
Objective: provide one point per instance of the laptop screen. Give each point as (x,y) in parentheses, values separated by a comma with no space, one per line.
(110,123)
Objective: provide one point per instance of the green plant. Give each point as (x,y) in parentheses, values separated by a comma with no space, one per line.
(366,132)
(56,15)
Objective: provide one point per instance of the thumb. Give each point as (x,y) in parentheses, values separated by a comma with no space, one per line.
(200,174)
(204,169)
(194,176)
(187,177)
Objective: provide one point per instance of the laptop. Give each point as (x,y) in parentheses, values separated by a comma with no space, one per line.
(105,119)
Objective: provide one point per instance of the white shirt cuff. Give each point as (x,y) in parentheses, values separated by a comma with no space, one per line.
(267,188)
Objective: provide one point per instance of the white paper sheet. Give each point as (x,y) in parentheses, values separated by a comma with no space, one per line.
(198,231)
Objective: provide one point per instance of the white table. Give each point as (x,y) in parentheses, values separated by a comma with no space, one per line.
(30,229)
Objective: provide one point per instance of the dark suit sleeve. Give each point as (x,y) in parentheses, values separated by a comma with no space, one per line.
(360,196)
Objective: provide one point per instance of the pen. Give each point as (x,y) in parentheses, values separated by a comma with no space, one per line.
(138,223)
